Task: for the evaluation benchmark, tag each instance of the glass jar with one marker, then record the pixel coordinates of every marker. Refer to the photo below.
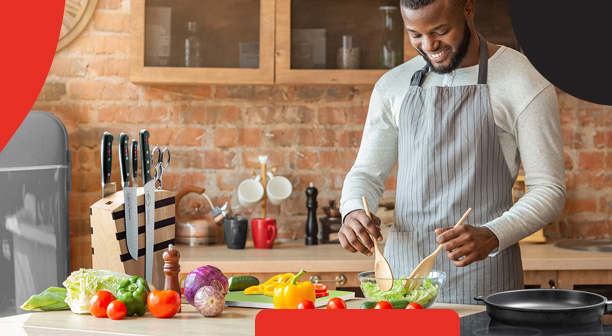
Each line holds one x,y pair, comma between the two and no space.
390,52
348,54
193,50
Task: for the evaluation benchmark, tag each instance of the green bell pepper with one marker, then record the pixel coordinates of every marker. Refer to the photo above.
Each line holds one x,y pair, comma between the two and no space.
133,293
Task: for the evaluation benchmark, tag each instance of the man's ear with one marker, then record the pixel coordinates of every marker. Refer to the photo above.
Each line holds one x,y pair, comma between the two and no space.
468,9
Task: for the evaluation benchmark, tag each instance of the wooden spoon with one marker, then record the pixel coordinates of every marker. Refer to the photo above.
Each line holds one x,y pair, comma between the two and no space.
382,270
425,267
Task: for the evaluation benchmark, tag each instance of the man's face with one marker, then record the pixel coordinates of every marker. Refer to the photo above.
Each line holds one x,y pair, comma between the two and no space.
440,33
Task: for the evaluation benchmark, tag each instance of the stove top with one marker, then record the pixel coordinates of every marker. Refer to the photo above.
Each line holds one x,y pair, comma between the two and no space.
482,325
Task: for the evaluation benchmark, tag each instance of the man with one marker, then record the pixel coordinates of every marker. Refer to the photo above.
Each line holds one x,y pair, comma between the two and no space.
459,119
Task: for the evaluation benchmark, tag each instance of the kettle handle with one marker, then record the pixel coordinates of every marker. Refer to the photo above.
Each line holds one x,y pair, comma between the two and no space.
183,192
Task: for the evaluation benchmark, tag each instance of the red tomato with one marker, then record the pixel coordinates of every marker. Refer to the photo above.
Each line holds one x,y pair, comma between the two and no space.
414,305
163,304
116,310
383,305
320,288
336,303
99,302
306,304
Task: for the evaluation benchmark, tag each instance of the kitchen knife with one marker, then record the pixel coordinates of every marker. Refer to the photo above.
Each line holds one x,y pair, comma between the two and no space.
106,164
130,203
149,194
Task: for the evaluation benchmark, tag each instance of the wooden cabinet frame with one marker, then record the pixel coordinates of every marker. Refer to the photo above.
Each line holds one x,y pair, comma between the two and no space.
286,75
183,75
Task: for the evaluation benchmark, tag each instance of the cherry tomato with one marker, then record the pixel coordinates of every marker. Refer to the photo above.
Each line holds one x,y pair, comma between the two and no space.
336,303
414,305
99,302
383,305
163,304
116,310
320,288
306,304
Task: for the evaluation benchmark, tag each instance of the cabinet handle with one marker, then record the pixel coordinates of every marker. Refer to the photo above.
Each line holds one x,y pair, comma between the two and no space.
551,283
340,279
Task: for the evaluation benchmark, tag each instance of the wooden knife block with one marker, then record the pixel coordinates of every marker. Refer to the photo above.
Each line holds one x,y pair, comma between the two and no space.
108,237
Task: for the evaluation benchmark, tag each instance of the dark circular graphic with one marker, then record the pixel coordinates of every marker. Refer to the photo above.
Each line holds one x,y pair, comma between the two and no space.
569,43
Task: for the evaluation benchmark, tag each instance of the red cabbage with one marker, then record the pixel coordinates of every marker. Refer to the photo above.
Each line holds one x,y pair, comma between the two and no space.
205,276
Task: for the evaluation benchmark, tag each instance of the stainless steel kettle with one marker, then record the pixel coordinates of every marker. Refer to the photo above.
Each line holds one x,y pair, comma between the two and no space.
196,227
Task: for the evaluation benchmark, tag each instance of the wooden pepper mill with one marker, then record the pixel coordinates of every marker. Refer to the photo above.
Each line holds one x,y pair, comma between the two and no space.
312,227
172,269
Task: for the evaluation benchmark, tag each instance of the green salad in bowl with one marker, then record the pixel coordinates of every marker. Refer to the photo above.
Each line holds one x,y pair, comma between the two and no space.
425,294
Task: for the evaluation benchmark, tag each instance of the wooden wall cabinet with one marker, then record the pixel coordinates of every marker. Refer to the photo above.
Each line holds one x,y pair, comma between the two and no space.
226,24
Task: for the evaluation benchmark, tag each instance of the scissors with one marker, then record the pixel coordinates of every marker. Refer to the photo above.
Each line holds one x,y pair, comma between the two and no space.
159,165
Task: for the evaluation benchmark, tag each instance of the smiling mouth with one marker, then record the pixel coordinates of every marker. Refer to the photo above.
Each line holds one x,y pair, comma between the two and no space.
437,57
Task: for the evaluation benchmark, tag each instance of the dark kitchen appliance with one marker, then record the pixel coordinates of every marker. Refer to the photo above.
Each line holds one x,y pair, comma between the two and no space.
481,324
330,224
546,307
34,230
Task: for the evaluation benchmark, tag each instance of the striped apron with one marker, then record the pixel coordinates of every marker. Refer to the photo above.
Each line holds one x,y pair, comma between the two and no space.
450,159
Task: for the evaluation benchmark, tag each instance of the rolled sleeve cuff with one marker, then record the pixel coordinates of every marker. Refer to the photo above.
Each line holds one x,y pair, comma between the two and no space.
349,206
502,243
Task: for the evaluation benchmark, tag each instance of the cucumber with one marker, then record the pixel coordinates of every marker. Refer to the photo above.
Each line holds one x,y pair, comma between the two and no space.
368,305
242,282
397,304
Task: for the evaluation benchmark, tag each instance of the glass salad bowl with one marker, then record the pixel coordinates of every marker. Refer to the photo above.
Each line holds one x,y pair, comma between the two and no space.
425,294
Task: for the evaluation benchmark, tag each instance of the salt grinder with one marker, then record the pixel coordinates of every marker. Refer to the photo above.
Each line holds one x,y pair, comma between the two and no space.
312,227
172,269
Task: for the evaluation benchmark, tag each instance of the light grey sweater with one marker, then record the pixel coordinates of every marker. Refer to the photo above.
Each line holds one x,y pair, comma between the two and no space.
526,113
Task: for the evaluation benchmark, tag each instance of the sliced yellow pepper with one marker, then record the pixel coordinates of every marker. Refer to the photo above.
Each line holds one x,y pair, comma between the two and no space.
267,288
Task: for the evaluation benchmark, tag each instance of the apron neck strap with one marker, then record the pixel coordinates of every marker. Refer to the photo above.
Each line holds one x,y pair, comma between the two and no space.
483,66
483,61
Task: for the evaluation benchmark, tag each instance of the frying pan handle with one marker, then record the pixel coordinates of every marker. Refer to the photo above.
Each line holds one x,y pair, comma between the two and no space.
480,298
608,307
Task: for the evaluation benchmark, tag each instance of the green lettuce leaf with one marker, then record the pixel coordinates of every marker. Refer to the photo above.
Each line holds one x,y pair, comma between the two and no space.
53,298
425,295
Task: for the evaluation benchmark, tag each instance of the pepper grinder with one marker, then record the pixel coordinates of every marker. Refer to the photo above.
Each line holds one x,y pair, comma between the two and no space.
172,269
312,227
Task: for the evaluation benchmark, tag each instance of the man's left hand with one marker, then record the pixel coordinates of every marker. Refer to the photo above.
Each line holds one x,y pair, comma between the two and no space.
472,243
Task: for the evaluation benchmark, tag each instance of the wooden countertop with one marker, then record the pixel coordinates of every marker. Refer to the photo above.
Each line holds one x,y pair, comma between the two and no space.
233,321
333,258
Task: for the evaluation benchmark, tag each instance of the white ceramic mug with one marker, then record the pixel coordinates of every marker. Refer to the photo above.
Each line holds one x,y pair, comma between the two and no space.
250,193
279,188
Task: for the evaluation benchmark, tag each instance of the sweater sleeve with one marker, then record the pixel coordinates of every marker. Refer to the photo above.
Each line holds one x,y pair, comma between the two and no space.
377,155
538,135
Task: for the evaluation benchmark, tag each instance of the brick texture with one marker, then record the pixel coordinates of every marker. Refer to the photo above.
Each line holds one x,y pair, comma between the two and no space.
216,133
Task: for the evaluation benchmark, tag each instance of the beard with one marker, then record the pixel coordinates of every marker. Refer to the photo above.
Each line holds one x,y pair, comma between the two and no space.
456,57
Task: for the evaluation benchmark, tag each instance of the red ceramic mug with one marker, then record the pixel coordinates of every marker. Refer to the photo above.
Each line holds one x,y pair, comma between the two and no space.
264,232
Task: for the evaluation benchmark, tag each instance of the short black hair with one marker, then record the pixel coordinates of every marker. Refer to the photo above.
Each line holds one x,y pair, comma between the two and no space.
418,4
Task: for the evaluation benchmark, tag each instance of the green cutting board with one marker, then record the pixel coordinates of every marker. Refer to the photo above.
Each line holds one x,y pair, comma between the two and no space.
239,299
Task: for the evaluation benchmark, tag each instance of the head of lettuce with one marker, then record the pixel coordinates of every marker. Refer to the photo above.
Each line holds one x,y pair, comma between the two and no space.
81,285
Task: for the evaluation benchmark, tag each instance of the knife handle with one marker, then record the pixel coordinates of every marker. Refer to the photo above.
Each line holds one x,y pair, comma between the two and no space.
106,157
145,156
124,160
134,153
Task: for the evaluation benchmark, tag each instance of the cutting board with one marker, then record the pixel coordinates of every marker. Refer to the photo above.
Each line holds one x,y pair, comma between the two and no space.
239,299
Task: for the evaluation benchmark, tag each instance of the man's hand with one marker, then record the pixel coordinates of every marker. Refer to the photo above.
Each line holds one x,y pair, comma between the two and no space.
353,234
473,243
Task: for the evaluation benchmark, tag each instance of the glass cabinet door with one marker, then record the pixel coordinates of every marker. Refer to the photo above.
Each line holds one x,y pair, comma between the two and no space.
338,41
202,41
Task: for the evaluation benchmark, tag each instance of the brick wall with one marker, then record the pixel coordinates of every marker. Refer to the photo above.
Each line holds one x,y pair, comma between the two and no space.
216,132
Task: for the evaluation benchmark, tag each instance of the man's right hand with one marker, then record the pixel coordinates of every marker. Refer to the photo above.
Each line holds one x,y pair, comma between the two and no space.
353,234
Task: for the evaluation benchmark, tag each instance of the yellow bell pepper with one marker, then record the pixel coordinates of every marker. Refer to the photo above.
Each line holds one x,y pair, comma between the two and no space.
288,295
267,288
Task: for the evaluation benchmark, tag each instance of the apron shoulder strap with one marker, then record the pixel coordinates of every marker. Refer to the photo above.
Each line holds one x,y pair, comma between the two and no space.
419,75
483,61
